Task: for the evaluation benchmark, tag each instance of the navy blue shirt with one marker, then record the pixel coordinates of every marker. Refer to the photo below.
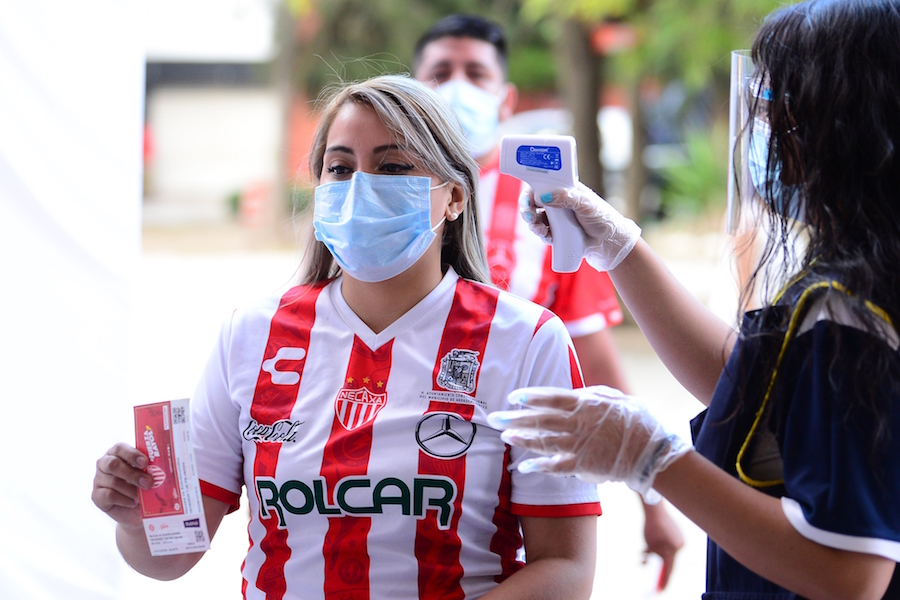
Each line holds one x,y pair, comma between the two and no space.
830,491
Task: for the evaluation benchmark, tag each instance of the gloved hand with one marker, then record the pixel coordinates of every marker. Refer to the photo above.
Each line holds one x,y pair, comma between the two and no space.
609,235
596,433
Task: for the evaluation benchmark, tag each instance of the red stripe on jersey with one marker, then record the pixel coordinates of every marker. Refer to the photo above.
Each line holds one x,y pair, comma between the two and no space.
273,402
575,369
545,316
346,454
466,330
507,540
222,495
500,238
558,510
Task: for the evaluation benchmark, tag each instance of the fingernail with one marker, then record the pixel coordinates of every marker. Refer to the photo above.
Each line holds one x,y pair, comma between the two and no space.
498,420
528,465
547,197
141,461
509,437
516,398
528,217
144,482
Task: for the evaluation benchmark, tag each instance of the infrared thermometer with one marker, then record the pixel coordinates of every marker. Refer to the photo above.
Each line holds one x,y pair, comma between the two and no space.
548,162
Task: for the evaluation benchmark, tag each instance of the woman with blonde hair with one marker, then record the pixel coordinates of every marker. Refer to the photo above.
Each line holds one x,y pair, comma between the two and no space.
354,407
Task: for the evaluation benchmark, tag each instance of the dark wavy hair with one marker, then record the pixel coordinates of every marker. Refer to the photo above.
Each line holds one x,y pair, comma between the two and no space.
833,67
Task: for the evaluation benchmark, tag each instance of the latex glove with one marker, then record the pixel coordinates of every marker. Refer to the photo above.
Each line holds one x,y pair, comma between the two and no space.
597,433
609,235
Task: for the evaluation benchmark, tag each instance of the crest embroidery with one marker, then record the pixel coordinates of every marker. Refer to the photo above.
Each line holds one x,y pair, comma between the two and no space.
459,371
356,407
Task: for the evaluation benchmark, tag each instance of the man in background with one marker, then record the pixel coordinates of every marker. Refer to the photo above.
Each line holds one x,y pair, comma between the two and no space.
464,58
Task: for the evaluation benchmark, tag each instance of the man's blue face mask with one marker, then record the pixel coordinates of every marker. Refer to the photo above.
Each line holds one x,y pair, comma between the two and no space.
375,226
477,111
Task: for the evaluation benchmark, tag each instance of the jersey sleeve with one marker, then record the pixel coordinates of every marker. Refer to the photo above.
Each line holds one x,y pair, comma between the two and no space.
214,419
550,361
586,301
838,493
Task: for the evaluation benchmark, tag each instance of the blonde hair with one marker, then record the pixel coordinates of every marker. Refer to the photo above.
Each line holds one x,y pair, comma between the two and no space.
426,126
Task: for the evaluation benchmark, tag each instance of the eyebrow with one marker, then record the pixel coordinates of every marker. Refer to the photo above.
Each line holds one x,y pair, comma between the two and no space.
378,150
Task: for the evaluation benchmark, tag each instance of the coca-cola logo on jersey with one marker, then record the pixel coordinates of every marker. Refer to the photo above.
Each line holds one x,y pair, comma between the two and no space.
279,431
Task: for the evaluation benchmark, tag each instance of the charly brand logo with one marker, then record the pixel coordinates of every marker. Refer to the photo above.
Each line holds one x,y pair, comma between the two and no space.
459,369
289,377
279,431
356,407
445,435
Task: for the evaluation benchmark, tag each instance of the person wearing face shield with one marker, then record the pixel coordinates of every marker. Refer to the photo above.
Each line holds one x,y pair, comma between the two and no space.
464,58
793,472
353,406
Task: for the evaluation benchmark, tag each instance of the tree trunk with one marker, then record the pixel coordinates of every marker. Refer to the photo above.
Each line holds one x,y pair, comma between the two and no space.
636,174
283,81
580,83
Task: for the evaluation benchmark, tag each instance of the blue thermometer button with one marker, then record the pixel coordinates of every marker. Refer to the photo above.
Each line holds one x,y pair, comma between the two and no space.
541,157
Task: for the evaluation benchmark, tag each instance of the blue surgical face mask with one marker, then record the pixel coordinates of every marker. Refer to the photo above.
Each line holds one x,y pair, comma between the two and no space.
478,112
783,200
375,226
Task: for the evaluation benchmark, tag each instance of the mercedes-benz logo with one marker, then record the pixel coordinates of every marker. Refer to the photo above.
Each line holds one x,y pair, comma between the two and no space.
445,435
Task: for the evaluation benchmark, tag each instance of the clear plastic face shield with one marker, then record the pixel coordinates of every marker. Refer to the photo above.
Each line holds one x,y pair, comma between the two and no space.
748,152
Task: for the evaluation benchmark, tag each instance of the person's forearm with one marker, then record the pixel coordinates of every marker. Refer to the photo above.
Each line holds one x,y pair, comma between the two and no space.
691,341
752,528
133,546
546,579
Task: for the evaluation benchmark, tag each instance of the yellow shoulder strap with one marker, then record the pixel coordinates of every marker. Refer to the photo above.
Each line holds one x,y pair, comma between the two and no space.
796,318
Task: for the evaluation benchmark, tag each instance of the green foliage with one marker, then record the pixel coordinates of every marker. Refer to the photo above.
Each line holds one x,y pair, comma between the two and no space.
586,10
358,39
677,40
699,183
692,40
532,68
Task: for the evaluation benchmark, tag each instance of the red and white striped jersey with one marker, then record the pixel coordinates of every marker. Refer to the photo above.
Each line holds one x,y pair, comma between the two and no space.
370,469
520,262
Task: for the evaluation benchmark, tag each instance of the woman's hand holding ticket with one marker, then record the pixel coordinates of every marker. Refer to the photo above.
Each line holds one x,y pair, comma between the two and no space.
120,472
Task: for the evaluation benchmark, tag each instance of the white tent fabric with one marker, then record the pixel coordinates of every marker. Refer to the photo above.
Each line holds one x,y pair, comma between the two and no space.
71,112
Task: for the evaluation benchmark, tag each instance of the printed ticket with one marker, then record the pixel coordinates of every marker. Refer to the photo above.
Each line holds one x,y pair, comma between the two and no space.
173,507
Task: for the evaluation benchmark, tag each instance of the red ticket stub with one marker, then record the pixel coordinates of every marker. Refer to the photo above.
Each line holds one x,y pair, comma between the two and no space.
153,437
173,506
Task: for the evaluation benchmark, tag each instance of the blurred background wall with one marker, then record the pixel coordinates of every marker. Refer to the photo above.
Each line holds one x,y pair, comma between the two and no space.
71,104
